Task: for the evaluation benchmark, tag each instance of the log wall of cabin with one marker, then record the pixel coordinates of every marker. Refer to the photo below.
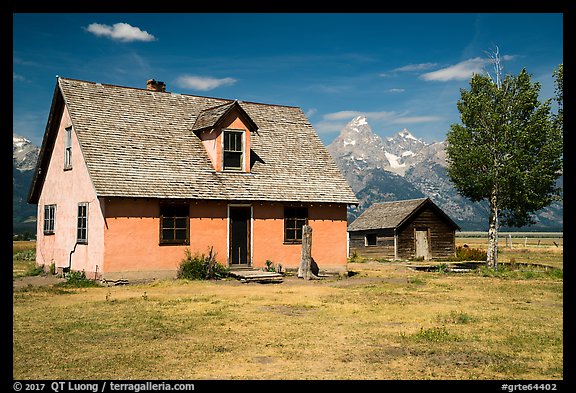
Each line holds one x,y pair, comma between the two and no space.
384,247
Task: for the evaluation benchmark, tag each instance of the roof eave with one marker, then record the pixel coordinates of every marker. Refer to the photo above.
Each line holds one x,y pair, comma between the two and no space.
48,141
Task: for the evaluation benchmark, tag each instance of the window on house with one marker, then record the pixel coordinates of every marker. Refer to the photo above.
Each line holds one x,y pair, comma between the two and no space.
294,219
82,225
370,239
68,149
233,150
174,224
49,216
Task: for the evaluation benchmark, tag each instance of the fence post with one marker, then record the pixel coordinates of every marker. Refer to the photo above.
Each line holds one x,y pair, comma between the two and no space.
306,257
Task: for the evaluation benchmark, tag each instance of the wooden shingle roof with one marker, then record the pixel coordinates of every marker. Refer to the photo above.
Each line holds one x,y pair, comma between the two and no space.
391,215
140,143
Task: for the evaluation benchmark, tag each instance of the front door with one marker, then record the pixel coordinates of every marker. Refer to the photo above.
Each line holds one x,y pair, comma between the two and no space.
422,246
239,232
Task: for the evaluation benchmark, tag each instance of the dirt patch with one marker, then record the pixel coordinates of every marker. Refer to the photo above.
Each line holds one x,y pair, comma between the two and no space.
41,280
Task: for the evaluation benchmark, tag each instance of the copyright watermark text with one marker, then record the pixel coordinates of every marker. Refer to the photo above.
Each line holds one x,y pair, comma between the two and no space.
101,386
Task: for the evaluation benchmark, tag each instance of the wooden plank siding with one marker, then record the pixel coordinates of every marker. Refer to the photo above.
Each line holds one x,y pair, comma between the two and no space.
384,247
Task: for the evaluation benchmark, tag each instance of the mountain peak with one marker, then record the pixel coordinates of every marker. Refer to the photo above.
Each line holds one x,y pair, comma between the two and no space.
18,140
407,134
358,121
24,153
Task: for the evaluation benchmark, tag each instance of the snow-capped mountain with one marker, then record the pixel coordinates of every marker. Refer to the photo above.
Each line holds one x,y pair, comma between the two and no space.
24,153
24,157
403,166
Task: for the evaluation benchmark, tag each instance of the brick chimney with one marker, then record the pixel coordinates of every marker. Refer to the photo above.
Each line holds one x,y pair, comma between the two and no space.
154,85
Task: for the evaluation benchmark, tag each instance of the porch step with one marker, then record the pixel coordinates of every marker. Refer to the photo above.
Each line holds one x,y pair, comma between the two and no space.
253,275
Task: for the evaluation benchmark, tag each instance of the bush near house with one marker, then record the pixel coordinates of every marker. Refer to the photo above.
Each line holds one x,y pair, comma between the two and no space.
470,254
201,267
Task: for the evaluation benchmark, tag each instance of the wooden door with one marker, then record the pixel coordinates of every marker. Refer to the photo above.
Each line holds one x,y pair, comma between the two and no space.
239,236
421,244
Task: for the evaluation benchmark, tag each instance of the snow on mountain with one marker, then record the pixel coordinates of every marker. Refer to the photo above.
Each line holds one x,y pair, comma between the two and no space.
24,153
394,160
24,157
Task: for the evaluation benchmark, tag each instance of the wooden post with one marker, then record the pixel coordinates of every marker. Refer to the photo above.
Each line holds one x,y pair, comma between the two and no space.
306,258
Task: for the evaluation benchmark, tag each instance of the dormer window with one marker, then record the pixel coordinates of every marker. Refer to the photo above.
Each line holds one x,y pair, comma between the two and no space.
233,150
226,132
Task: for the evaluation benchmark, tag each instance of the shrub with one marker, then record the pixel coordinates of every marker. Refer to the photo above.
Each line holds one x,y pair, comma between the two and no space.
355,258
201,267
441,268
270,266
77,279
35,271
434,334
26,255
470,254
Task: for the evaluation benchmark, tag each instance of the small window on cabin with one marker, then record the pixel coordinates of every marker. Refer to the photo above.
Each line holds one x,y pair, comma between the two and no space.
49,217
294,219
233,150
174,224
370,239
82,223
68,148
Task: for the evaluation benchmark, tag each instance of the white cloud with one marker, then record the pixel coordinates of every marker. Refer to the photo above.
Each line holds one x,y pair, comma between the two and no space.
16,77
325,127
334,122
396,90
120,32
311,112
203,83
461,71
349,115
416,119
342,115
414,67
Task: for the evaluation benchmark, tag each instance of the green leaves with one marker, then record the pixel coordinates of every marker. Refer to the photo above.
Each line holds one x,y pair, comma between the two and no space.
508,144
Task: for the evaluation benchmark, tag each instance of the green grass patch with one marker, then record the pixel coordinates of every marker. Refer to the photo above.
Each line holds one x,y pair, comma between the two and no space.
434,334
24,268
457,318
522,272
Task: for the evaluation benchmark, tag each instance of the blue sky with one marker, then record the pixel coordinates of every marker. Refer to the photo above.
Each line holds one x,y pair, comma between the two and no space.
400,70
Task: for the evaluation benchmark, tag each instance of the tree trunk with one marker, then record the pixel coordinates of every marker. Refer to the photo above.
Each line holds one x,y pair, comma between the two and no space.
492,254
306,258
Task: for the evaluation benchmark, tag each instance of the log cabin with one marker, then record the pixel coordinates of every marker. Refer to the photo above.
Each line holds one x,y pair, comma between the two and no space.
408,229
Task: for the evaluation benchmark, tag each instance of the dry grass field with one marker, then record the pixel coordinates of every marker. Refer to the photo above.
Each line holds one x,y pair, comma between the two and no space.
385,322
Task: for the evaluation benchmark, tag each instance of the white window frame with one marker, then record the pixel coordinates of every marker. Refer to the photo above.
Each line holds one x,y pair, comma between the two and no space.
367,243
242,151
68,148
82,239
49,219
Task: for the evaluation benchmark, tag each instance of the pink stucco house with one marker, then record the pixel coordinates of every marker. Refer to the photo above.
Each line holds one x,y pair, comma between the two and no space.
129,178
